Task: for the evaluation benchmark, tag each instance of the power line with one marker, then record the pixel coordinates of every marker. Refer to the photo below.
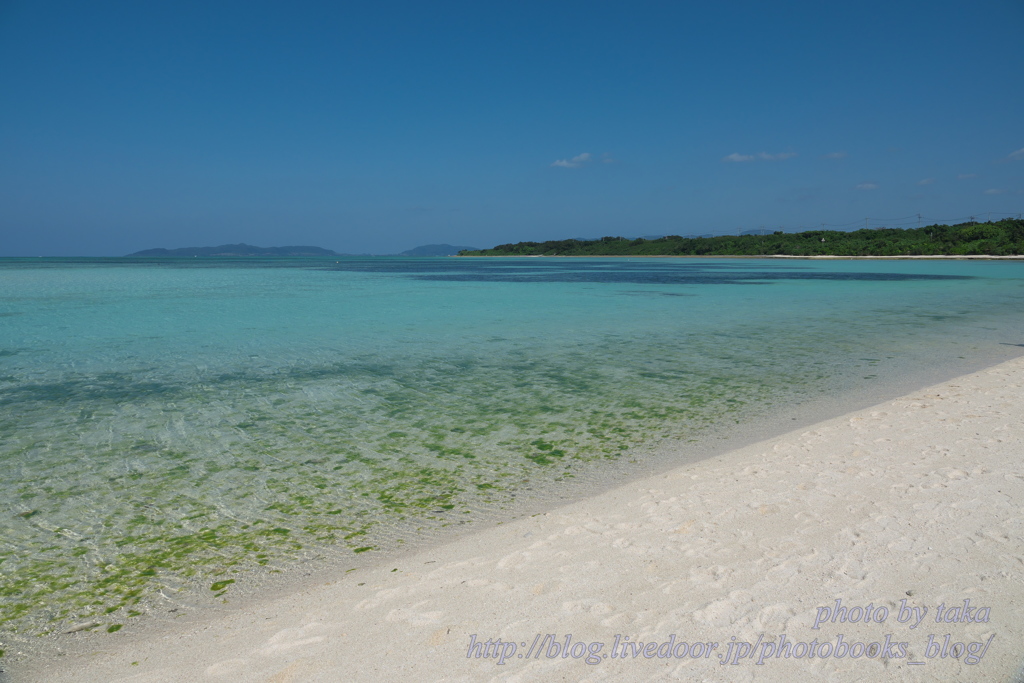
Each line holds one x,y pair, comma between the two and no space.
913,220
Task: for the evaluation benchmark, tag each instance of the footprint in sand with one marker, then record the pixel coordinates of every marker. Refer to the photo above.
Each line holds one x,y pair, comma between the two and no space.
291,638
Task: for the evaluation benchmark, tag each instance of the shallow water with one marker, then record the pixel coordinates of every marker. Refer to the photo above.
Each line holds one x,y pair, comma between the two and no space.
169,427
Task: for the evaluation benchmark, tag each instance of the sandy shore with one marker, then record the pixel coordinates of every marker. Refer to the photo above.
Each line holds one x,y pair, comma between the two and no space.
911,505
966,257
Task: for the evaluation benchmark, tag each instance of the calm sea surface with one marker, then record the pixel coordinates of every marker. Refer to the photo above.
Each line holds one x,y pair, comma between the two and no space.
171,427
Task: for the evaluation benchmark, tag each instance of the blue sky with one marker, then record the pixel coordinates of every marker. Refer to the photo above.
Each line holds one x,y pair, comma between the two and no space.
377,127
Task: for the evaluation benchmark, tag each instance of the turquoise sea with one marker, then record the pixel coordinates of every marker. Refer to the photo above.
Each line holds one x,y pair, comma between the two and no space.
173,431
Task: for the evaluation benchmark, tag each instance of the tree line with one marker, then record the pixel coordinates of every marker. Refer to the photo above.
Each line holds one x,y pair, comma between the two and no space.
998,238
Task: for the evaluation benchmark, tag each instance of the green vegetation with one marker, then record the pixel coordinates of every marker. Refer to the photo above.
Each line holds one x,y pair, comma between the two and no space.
1000,238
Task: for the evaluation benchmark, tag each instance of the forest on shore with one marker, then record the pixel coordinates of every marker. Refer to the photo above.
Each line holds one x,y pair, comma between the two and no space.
996,238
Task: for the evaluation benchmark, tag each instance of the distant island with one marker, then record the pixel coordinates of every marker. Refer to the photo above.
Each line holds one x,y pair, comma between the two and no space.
998,238
436,250
237,250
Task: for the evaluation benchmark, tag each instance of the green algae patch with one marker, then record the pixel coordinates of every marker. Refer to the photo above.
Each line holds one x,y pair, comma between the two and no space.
221,585
114,628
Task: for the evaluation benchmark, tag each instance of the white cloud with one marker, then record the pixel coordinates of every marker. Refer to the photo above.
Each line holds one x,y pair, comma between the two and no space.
926,181
575,162
995,190
762,156
867,186
1018,155
835,155
965,176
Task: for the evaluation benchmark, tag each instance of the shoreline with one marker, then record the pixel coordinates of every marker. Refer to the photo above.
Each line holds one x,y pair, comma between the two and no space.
968,257
913,499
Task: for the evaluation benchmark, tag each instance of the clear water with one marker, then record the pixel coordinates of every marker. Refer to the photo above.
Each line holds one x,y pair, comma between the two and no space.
170,426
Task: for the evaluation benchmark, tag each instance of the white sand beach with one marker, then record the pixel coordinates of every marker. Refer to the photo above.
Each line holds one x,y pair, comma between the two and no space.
906,507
